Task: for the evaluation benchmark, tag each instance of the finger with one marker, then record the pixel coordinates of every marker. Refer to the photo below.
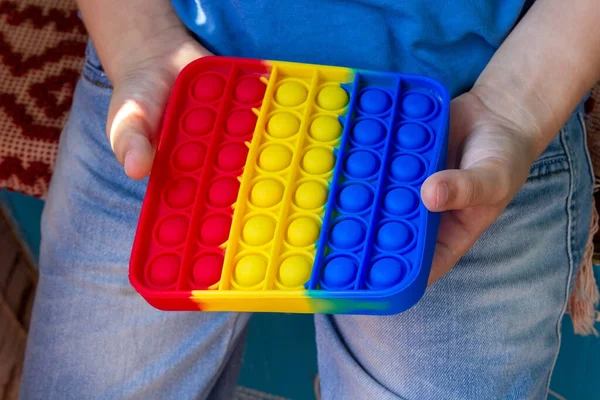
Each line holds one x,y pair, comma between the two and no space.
460,189
132,130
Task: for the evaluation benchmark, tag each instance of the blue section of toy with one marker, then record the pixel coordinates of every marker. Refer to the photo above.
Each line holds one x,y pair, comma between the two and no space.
378,239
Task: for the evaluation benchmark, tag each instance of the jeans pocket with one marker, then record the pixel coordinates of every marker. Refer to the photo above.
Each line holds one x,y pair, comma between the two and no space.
93,72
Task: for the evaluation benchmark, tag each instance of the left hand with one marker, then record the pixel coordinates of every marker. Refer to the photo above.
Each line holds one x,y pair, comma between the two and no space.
489,158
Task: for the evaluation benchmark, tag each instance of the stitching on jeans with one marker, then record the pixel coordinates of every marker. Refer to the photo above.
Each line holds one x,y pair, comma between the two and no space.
570,225
95,82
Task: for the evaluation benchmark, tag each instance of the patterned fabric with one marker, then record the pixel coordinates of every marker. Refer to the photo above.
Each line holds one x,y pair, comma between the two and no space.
42,44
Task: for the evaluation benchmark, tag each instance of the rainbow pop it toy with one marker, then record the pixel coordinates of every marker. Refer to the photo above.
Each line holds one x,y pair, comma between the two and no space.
289,187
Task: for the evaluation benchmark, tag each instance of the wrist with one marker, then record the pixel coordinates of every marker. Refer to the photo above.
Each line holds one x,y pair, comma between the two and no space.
127,33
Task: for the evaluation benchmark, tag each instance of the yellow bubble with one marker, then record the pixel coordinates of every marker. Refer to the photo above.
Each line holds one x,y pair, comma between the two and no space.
291,94
295,271
283,125
275,158
325,128
303,232
250,270
332,98
310,195
266,193
258,230
318,161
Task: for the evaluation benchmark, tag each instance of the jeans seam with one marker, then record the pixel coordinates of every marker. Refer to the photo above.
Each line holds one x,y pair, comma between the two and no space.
570,230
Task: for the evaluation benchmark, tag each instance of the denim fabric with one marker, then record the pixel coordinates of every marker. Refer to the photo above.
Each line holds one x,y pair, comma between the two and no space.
487,330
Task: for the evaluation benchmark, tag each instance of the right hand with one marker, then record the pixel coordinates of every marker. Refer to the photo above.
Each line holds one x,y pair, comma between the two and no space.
142,81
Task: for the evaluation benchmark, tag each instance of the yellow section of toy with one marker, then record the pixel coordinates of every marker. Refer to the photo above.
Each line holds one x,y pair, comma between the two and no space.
284,187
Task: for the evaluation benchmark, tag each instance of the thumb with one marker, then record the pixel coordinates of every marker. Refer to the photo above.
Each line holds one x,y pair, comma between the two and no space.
137,106
460,189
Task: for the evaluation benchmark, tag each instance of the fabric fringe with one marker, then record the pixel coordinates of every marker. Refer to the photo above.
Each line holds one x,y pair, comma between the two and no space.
584,300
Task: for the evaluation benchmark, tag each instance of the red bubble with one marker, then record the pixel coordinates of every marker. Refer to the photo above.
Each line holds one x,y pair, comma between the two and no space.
250,90
215,230
181,193
165,269
209,87
241,123
207,269
199,121
172,231
232,157
190,156
223,192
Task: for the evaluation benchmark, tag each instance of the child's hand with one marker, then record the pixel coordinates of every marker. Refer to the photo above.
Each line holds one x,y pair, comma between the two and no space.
142,86
493,157
143,46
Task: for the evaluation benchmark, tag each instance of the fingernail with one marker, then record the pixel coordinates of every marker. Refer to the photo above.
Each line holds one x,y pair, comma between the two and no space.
442,195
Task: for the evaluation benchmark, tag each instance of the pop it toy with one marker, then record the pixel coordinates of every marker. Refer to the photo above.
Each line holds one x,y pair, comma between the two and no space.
290,187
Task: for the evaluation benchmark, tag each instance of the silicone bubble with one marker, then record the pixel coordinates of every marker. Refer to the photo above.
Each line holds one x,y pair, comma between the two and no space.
258,230
283,125
181,193
223,192
362,164
400,201
303,232
347,234
417,105
385,273
266,193
407,168
325,128
164,270
172,230
240,123
215,230
374,101
368,132
250,270
340,272
199,122
355,198
209,87
250,90
310,195
232,157
332,98
190,156
207,269
318,161
295,271
291,94
393,236
413,136
275,158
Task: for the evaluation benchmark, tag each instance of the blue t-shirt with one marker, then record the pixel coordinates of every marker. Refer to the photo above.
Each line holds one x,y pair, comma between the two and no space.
449,40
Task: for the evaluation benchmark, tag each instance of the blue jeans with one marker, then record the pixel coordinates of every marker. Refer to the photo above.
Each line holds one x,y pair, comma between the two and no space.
487,330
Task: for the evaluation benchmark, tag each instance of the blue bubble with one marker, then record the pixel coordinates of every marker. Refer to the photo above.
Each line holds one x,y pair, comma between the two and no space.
400,201
374,101
385,273
368,132
412,136
417,105
394,236
340,272
355,198
362,164
407,168
347,234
